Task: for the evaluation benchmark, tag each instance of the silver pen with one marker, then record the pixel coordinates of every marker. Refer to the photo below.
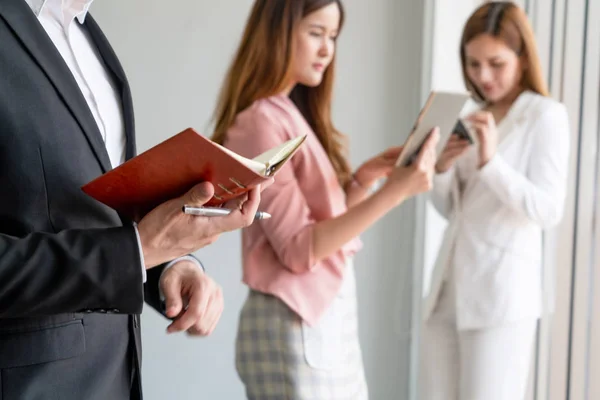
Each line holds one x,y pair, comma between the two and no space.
218,212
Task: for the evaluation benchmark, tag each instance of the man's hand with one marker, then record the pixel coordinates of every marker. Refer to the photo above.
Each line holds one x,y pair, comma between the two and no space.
192,298
166,233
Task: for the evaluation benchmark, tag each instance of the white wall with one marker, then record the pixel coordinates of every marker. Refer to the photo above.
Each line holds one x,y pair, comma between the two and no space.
175,55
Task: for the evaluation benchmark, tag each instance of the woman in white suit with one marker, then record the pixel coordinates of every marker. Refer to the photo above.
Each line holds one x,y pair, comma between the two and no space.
499,195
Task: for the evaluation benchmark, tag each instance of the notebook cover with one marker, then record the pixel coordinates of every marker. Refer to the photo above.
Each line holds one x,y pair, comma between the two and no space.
168,170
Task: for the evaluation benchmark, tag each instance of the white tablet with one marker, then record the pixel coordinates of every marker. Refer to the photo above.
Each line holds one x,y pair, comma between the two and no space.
442,109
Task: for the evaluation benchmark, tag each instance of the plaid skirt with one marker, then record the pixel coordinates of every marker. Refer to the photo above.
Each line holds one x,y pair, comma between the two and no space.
278,357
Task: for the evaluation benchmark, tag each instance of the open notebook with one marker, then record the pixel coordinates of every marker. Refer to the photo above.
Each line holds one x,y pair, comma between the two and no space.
174,166
271,160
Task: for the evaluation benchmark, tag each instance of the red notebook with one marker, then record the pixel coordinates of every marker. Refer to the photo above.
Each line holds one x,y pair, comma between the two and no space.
173,167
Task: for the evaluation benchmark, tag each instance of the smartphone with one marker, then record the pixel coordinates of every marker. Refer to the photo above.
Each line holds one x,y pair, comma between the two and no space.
462,132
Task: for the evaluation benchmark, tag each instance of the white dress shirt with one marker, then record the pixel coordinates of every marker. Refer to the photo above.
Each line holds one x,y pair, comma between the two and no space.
62,19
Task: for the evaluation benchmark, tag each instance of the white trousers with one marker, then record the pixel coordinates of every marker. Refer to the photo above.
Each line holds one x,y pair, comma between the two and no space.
484,364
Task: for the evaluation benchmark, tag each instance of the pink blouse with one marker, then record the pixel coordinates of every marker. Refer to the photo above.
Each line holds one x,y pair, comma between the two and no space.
277,253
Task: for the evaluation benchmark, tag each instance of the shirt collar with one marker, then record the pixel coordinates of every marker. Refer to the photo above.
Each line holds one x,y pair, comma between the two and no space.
77,8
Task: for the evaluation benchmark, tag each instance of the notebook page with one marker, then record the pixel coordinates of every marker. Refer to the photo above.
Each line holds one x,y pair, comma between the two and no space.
256,166
271,158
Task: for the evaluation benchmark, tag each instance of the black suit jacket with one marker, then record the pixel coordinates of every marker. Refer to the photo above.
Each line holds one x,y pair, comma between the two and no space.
70,274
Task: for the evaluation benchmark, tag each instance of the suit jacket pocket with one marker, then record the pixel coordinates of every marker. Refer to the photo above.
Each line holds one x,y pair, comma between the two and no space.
59,342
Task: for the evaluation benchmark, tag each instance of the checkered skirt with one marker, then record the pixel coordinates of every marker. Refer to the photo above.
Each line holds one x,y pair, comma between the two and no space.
278,357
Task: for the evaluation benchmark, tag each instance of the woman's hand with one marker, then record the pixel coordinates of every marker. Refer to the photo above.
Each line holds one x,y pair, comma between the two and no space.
455,148
484,125
416,178
377,167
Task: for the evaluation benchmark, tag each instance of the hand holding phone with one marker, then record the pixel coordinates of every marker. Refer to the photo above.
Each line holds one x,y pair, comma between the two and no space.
462,132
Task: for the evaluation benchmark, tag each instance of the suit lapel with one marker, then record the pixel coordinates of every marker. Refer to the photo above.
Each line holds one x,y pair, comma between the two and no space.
34,38
118,74
508,127
112,62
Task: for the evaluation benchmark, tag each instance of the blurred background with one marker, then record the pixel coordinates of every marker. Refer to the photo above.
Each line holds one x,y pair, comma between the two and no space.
391,54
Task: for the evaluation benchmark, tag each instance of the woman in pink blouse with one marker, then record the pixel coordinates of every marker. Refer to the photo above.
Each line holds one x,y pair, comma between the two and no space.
297,338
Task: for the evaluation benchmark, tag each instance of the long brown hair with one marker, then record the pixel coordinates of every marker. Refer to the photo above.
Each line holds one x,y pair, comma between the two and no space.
262,68
508,22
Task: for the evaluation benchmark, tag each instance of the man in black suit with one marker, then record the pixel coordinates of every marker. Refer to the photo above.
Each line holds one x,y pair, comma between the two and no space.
72,271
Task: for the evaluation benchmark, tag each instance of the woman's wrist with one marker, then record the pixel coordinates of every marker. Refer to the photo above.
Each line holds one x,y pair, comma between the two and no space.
390,196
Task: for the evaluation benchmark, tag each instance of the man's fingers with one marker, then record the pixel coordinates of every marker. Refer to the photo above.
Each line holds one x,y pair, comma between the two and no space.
171,288
250,197
218,313
207,324
194,312
236,203
199,194
241,217
251,205
266,184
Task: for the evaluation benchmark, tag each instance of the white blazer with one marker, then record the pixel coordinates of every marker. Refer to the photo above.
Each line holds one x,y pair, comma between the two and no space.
494,238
